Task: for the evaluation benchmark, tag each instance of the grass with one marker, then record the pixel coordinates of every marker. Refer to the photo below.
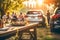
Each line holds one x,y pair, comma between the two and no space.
50,38
45,34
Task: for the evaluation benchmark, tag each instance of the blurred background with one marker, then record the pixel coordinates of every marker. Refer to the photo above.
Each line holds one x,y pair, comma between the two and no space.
25,5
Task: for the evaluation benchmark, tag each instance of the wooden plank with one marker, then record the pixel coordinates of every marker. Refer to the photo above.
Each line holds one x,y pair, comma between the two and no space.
2,33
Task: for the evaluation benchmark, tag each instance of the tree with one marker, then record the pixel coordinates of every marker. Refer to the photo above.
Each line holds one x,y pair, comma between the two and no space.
10,5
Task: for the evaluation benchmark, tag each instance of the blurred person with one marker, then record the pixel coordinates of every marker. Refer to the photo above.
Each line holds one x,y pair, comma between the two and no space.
14,17
21,17
48,16
6,17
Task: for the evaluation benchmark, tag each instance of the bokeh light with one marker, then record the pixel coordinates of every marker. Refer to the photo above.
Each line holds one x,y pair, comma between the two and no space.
40,1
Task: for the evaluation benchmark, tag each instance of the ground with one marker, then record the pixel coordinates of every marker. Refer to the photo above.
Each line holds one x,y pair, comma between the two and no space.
45,34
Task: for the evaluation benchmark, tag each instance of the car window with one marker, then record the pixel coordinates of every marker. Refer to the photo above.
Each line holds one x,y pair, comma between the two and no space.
34,12
57,11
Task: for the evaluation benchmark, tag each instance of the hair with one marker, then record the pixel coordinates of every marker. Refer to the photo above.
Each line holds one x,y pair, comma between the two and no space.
21,13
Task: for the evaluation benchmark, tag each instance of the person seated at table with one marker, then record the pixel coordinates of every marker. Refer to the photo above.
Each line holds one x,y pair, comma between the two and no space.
21,17
14,17
6,17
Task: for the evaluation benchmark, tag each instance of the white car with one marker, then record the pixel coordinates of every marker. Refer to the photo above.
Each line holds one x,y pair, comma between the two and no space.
35,16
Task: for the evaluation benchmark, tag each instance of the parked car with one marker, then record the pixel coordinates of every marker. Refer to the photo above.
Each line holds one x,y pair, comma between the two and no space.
55,21
35,16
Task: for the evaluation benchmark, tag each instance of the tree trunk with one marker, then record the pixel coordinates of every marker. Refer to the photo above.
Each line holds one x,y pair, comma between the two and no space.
2,12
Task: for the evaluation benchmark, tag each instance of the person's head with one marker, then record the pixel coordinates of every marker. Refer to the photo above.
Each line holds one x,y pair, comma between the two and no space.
21,13
47,10
8,13
15,13
12,12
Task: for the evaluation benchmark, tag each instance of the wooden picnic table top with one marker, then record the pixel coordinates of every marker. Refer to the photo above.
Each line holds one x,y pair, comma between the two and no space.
14,29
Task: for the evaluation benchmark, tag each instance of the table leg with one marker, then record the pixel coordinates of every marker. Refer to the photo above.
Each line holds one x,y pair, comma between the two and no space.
20,35
35,34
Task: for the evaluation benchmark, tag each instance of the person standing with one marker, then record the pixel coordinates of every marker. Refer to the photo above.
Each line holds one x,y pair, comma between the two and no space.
48,16
8,16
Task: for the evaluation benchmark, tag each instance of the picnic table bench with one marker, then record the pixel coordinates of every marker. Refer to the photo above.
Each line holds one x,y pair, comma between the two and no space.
13,30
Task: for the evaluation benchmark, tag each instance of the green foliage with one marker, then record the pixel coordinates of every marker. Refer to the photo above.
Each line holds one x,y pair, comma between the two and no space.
9,5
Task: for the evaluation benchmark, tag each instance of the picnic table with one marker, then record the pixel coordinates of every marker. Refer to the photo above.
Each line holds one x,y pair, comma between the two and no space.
12,30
